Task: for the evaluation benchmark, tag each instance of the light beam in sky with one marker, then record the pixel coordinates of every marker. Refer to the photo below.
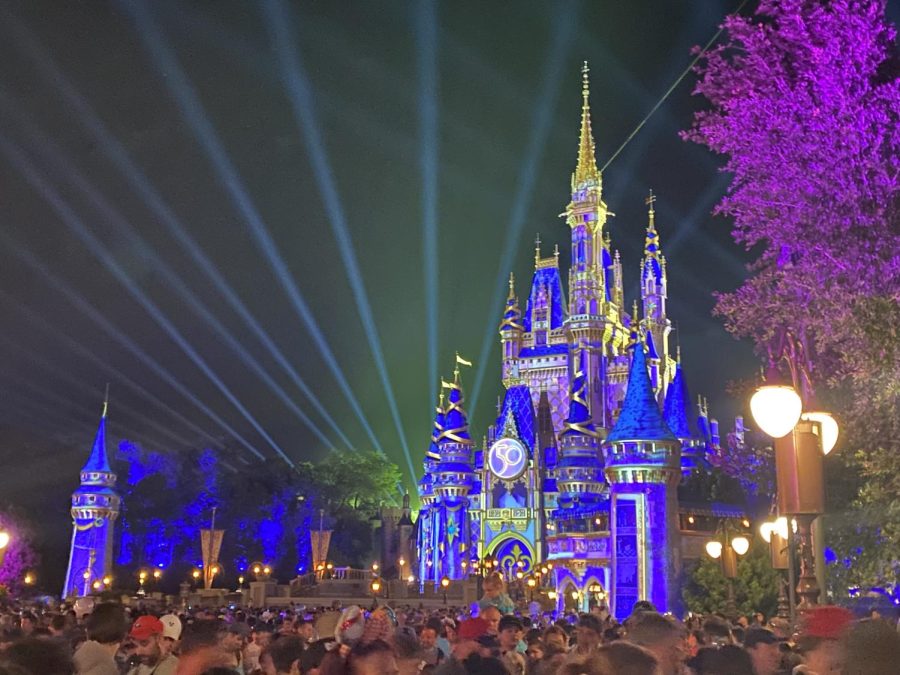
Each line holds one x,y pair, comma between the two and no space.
564,24
192,111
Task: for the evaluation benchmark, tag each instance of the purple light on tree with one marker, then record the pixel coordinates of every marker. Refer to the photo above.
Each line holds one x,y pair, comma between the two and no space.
805,106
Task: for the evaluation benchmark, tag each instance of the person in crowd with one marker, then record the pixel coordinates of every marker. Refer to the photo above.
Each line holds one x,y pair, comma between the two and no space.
282,656
718,631
618,658
819,640
663,636
492,615
588,636
260,638
495,595
871,647
37,656
58,627
306,630
232,641
722,660
28,622
509,635
106,630
428,638
764,649
171,633
150,655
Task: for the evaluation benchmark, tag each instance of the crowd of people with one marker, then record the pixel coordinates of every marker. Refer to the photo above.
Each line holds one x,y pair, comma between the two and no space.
490,639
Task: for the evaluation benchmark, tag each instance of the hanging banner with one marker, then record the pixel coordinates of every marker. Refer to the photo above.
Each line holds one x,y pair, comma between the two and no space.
319,540
210,546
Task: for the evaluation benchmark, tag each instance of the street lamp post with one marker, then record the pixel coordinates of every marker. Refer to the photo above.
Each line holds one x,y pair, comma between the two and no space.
726,551
775,534
445,584
801,441
375,587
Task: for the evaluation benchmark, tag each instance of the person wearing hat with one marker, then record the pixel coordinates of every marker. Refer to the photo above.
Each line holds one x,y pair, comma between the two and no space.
171,632
765,650
150,651
818,642
509,635
233,641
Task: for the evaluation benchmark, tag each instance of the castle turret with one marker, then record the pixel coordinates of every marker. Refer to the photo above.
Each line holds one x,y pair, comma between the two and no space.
425,534
95,507
454,477
653,299
677,416
643,467
580,469
511,335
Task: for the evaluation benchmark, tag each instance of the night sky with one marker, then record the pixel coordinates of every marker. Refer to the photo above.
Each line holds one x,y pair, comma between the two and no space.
107,178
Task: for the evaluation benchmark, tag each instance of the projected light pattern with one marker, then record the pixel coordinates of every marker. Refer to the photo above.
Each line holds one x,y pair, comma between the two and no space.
65,212
426,33
116,152
192,111
116,219
97,316
564,24
300,94
89,393
101,366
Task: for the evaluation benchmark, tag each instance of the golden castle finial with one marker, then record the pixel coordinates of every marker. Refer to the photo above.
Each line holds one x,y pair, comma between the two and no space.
586,170
537,248
512,286
650,201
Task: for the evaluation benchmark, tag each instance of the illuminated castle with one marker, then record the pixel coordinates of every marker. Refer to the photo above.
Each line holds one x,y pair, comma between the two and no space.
95,506
593,436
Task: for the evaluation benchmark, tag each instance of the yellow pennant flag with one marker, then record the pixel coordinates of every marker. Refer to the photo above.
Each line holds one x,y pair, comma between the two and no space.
460,360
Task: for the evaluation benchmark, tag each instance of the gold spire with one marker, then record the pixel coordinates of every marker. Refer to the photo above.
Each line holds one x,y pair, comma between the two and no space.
586,170
512,287
650,201
537,248
105,401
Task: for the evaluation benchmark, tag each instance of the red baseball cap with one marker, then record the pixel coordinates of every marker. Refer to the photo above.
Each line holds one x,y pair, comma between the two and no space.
145,627
827,622
472,629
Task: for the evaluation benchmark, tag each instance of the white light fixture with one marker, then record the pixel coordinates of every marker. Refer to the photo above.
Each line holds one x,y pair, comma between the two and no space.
4,540
714,549
765,531
829,428
740,545
776,409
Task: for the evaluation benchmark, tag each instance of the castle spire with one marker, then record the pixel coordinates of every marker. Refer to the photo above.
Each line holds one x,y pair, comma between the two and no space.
456,423
512,315
586,170
98,462
640,418
653,258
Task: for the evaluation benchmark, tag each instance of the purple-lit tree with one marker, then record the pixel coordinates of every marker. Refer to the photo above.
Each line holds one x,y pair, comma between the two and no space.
804,104
19,556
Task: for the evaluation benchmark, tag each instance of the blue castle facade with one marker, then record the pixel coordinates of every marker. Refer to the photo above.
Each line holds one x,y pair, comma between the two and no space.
579,473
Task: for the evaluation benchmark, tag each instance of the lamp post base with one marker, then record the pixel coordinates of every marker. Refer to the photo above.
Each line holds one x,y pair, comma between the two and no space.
808,585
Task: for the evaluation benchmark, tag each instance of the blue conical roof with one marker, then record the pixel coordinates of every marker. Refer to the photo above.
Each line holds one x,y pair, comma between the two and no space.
640,419
675,408
651,347
579,420
98,462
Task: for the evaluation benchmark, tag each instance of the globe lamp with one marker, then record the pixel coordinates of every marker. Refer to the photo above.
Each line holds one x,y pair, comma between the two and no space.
829,428
776,409
714,549
740,545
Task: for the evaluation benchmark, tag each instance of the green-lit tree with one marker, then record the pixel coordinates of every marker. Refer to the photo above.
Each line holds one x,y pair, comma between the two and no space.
755,589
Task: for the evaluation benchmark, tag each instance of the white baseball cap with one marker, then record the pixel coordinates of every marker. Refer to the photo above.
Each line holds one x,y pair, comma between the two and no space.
171,626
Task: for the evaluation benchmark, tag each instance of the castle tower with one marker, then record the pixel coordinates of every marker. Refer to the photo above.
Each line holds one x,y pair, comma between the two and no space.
643,468
511,335
592,272
454,477
425,535
580,468
653,300
95,506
